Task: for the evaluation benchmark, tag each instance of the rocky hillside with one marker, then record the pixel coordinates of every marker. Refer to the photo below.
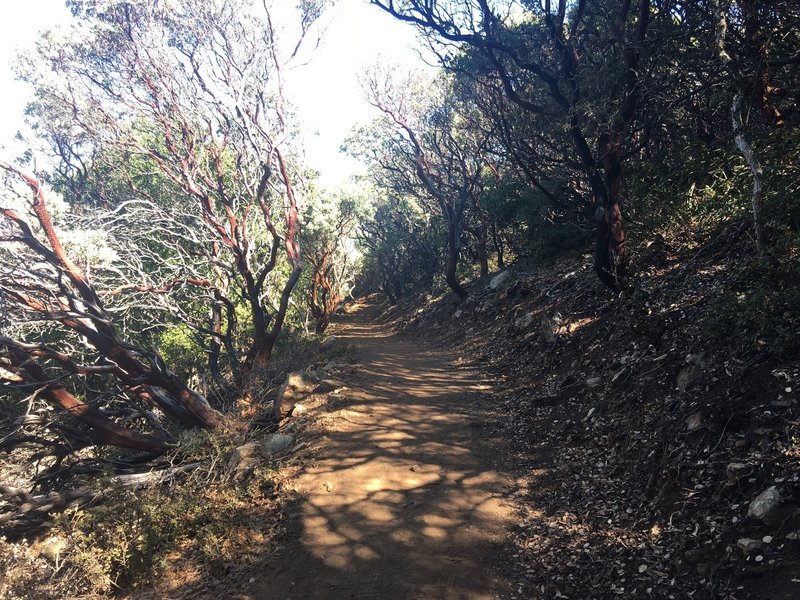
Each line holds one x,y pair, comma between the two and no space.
655,433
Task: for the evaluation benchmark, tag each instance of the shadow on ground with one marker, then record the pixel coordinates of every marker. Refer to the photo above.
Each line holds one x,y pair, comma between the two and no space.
404,496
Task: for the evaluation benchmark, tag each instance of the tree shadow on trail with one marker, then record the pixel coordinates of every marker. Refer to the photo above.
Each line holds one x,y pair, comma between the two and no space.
404,498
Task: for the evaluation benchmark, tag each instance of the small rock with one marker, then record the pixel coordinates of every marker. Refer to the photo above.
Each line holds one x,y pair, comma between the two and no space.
458,313
329,342
296,386
242,459
274,443
694,422
524,321
749,545
766,506
593,382
328,486
551,326
328,385
499,279
687,376
767,539
53,548
298,410
735,470
338,396
415,468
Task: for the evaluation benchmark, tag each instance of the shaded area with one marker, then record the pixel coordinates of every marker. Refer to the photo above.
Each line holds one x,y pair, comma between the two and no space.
404,498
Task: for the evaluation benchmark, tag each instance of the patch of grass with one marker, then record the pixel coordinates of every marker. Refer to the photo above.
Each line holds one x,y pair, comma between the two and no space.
136,536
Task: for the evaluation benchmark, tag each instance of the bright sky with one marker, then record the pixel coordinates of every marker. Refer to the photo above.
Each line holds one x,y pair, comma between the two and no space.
325,91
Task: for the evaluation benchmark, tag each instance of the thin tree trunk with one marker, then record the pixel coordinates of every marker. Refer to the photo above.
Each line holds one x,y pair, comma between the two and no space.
483,250
215,344
755,169
497,240
738,124
452,261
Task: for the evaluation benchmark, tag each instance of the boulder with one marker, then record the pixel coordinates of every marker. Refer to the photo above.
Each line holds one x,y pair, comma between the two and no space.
766,506
274,443
499,279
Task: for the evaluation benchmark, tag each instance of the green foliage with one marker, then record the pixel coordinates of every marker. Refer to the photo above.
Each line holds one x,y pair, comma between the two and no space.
133,535
401,246
759,304
180,350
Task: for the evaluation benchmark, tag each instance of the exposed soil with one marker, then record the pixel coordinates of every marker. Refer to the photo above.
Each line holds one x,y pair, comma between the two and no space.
403,494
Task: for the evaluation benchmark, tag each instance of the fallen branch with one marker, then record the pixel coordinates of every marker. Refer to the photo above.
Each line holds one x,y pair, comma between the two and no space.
24,506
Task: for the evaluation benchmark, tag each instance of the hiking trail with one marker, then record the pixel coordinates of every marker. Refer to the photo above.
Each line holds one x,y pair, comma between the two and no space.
403,497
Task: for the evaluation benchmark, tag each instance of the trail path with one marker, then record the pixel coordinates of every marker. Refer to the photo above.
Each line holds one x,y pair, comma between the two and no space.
403,499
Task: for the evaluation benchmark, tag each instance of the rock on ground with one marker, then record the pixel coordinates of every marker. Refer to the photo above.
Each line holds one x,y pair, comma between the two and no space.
766,506
274,443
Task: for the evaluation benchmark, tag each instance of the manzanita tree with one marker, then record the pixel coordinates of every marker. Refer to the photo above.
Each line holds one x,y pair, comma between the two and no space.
434,153
535,54
328,236
58,341
194,90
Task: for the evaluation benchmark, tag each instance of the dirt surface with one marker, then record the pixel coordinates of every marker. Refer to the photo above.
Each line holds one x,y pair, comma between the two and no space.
404,497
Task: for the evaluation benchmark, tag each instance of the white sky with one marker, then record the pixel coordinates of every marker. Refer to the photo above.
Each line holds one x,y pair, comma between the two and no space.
325,91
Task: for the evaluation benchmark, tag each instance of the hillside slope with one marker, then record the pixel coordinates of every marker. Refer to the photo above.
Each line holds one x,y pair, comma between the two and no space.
644,426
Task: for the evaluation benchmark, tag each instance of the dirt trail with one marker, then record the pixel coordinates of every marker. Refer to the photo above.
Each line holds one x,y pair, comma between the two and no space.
403,501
